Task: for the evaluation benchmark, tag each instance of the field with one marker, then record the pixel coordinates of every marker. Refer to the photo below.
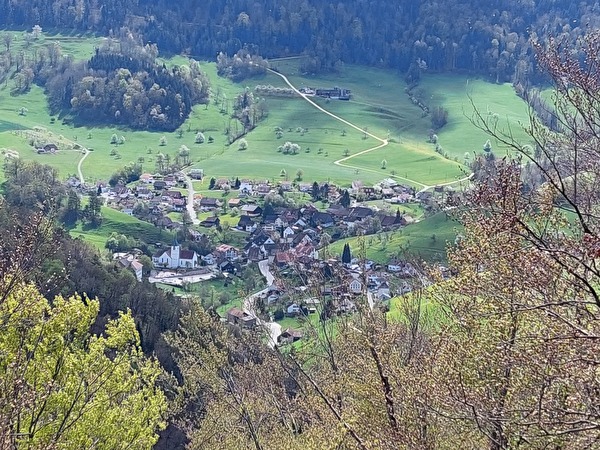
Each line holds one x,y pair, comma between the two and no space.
116,222
427,238
379,106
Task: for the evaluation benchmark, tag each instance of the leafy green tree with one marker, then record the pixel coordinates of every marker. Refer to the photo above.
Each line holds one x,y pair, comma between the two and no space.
63,387
184,154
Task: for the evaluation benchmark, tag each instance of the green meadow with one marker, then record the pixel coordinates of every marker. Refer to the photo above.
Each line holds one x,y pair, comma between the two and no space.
114,221
379,105
427,239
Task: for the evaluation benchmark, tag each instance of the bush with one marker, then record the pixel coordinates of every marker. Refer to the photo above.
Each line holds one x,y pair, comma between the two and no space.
439,117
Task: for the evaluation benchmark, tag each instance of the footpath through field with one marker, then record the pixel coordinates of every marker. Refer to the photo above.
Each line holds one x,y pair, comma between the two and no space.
80,173
383,142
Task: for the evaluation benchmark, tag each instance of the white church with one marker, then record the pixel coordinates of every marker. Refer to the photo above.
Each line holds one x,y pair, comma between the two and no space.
175,258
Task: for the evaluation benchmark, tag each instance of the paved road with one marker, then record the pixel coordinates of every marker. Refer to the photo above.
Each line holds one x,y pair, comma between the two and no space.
190,200
263,266
80,173
272,328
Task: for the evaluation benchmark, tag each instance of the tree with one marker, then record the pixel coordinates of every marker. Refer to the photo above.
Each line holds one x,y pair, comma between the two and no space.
439,117
199,138
346,254
92,211
299,174
72,209
383,164
184,154
75,389
114,139
283,173
162,141
315,191
211,184
345,199
487,147
243,144
7,38
36,31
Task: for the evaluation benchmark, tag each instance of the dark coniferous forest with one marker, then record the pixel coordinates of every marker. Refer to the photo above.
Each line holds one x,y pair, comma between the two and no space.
490,38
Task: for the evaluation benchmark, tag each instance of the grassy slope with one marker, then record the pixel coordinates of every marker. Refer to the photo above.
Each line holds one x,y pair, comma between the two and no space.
114,221
459,135
379,104
414,239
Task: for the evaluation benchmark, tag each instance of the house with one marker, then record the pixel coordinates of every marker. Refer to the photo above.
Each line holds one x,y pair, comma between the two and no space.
359,213
293,309
394,266
252,210
262,189
170,180
175,258
355,286
221,183
138,269
209,259
392,221
246,224
159,185
288,234
50,148
196,174
288,336
211,222
322,219
236,316
286,186
234,202
254,253
147,178
208,203
173,194
246,187
227,267
282,259
73,182
227,251
130,262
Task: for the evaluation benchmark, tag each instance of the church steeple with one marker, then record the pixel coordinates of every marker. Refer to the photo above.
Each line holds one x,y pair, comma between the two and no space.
175,252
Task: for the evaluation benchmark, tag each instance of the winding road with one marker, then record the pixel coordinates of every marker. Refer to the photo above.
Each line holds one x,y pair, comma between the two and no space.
382,142
273,329
79,172
190,200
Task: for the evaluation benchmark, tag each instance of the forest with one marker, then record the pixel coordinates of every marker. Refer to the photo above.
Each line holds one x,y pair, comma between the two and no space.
488,38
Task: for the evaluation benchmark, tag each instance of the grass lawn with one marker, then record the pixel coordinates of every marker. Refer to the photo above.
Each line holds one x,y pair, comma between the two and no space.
415,239
114,221
454,93
379,105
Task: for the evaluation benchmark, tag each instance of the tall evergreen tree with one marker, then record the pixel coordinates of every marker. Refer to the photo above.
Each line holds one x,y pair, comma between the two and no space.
346,254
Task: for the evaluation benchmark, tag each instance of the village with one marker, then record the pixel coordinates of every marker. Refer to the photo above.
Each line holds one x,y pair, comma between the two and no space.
288,243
